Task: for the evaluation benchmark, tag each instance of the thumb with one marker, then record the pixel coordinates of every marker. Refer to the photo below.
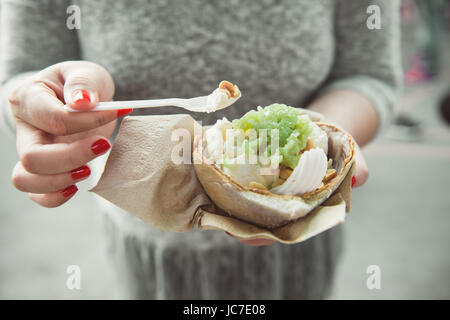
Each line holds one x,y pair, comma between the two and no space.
85,84
362,171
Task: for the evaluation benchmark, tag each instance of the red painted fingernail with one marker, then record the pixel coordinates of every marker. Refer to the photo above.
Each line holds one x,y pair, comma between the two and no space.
69,191
123,112
81,172
353,181
80,95
229,234
100,146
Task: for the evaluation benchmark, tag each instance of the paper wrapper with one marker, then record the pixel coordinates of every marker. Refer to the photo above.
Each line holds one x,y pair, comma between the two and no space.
141,178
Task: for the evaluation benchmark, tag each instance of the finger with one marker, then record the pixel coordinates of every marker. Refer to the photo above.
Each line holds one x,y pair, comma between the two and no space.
52,158
255,242
54,199
85,84
258,242
38,105
37,183
361,171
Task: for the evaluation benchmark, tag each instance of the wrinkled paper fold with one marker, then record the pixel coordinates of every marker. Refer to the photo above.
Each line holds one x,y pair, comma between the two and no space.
141,178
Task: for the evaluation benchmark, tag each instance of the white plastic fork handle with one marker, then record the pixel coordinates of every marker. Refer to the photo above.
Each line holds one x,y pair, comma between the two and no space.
66,107
135,104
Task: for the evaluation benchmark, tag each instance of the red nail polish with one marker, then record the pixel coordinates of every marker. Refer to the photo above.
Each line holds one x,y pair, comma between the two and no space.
228,233
69,191
123,112
81,95
81,172
353,181
100,146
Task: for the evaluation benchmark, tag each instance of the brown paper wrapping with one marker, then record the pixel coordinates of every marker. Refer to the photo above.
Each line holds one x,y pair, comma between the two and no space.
141,178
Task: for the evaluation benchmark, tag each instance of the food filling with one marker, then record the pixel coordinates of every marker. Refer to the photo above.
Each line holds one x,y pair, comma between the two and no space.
225,95
276,148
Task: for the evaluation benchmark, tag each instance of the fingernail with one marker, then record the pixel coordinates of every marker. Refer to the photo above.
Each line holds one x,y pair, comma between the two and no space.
123,112
353,181
69,191
100,146
80,95
81,172
228,233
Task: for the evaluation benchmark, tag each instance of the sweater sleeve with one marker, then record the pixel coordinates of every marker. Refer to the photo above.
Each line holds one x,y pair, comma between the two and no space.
33,36
368,60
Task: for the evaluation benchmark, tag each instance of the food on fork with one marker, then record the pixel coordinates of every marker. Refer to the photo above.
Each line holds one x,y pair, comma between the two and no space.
225,95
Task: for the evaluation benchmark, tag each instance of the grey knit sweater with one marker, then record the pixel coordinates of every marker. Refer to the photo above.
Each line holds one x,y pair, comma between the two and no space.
276,51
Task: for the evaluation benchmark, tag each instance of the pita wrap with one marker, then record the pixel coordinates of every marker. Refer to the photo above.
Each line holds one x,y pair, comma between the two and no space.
261,207
141,178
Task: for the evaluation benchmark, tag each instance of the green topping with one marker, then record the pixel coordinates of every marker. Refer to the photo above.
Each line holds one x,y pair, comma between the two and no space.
293,130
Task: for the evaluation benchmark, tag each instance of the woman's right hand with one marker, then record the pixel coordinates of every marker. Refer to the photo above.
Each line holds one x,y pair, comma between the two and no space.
55,145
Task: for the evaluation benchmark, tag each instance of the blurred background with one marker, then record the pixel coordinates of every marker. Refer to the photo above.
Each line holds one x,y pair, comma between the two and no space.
400,219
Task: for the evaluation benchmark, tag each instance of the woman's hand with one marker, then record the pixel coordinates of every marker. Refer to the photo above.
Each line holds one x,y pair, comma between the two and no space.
256,242
55,145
